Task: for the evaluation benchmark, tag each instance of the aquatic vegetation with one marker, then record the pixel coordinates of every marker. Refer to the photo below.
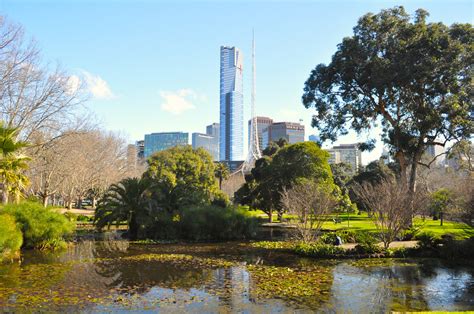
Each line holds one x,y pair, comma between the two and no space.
275,245
181,259
303,286
319,250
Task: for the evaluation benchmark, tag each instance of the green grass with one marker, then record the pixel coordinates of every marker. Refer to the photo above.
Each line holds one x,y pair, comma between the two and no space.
363,223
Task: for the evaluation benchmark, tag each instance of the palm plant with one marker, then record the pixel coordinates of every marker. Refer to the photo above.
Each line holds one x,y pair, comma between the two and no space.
125,201
221,172
12,163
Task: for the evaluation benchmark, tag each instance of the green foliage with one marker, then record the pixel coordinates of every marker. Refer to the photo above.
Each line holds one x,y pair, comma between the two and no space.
180,177
126,201
318,250
70,216
42,228
220,199
274,245
221,172
11,238
83,218
366,244
287,166
422,86
440,201
428,240
212,223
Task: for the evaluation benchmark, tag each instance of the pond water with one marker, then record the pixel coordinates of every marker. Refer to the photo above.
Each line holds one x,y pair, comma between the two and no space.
104,276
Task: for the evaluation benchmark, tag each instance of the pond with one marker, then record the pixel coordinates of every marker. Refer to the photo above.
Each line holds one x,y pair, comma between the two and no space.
98,276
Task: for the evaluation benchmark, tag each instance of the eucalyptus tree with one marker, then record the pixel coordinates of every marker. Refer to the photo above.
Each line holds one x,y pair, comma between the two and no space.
412,77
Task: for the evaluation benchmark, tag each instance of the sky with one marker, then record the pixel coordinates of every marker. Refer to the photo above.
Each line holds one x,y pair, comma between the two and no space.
153,66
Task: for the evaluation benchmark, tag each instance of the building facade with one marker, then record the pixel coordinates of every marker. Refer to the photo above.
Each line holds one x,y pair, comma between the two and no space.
291,131
208,142
346,153
231,139
262,124
156,142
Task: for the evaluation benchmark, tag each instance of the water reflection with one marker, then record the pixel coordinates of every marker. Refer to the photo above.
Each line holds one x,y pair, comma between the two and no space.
113,275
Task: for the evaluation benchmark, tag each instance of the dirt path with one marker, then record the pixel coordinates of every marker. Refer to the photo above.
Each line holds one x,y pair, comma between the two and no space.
396,244
85,212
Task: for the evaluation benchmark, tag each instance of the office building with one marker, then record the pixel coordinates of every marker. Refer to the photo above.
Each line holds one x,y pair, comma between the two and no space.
208,142
231,146
140,145
156,142
262,124
346,153
213,130
291,131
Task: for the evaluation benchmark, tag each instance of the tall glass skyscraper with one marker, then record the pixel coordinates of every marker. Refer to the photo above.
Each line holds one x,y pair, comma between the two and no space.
156,142
231,142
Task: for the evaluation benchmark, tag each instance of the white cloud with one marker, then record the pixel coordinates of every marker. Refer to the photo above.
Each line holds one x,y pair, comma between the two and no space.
177,102
73,84
97,86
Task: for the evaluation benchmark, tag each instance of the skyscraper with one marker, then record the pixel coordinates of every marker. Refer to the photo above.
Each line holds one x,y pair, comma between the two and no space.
346,153
262,124
156,142
231,137
291,131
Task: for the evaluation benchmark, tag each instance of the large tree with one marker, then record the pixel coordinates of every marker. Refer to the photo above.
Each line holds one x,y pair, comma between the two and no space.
285,167
412,77
181,176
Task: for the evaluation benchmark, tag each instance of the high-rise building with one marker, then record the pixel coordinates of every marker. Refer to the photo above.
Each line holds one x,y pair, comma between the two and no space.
208,142
262,124
213,130
346,153
291,131
156,142
140,149
231,139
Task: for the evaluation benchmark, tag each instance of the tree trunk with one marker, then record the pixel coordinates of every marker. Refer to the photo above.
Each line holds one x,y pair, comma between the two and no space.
94,202
270,216
45,200
280,216
79,203
441,218
4,196
69,205
220,183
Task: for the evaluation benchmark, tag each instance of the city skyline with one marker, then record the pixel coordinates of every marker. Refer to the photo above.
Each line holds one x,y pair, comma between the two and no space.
169,80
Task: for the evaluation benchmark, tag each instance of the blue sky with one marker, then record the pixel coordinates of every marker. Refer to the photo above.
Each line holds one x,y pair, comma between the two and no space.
153,66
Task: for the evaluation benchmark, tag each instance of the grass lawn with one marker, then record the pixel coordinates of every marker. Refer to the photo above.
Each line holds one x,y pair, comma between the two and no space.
363,222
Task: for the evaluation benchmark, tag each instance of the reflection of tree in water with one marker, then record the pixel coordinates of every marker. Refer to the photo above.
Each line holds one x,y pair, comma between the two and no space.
389,285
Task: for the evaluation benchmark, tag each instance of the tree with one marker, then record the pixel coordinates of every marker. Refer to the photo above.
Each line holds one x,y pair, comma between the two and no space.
441,200
12,163
310,202
181,176
412,76
32,97
127,201
272,174
221,172
391,206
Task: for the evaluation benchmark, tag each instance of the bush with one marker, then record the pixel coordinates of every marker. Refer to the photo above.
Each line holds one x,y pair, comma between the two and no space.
42,228
11,238
318,250
205,223
428,240
220,199
83,218
70,216
366,244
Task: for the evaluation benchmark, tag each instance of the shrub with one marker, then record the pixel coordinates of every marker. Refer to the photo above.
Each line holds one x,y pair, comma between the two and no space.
428,240
70,216
216,223
83,218
11,238
220,199
42,228
366,244
318,250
